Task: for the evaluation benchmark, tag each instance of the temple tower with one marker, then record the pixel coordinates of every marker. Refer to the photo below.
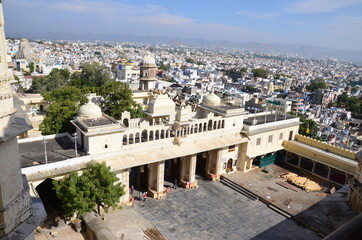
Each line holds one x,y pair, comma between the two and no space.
15,201
148,73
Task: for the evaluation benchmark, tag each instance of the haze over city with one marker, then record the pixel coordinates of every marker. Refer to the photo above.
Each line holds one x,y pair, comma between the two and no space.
327,23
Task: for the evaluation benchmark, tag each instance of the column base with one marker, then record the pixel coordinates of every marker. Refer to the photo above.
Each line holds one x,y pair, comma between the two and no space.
213,177
157,195
188,185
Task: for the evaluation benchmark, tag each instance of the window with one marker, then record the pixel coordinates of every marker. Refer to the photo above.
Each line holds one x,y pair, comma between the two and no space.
234,164
280,136
231,148
270,139
258,141
290,135
106,146
224,165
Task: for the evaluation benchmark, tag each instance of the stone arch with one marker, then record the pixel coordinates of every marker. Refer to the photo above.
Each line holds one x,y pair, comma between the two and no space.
150,136
131,139
205,127
144,136
125,140
223,124
219,125
185,131
200,127
215,125
191,129
137,138
157,134
162,134
209,126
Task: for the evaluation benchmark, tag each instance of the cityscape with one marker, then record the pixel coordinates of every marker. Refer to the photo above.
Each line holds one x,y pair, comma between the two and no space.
180,134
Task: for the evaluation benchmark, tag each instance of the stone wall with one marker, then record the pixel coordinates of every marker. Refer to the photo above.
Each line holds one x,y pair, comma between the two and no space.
326,146
96,228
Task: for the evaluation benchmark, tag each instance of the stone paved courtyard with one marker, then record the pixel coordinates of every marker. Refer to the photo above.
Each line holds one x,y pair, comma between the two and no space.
214,211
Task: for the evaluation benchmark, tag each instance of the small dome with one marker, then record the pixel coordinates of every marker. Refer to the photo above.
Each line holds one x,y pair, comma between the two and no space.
90,110
161,105
148,59
211,100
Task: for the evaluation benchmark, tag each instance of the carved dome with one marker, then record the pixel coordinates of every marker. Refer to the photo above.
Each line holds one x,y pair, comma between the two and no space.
148,59
211,100
161,105
90,110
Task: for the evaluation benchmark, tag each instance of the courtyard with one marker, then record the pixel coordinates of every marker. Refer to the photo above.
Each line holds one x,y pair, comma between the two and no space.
211,211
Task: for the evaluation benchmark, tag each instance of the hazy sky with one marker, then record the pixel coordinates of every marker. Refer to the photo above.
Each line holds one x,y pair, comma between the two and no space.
328,23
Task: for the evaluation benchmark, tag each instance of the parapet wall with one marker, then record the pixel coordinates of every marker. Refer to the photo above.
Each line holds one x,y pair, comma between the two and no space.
326,146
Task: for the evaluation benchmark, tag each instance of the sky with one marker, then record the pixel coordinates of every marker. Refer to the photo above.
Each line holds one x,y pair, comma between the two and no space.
327,23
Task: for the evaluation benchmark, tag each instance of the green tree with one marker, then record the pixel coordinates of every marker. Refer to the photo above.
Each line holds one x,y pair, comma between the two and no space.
190,60
117,98
31,67
92,75
308,128
74,192
64,106
316,84
260,72
250,89
105,191
57,78
243,70
97,186
162,67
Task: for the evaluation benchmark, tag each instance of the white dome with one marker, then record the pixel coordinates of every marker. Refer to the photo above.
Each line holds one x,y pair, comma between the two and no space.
90,110
161,105
148,59
211,100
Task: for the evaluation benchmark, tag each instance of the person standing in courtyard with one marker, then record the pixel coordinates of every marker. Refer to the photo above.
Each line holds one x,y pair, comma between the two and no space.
175,182
132,188
144,196
140,196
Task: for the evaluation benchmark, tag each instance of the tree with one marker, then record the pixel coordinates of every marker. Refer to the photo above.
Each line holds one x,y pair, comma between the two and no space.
162,67
190,60
260,72
117,98
31,67
64,106
97,186
243,70
105,191
57,78
74,193
250,89
308,128
93,75
316,84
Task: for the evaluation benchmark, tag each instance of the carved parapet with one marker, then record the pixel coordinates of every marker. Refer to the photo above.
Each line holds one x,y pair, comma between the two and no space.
326,146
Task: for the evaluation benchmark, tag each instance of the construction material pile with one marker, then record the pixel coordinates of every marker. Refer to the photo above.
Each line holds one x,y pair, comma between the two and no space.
153,234
302,182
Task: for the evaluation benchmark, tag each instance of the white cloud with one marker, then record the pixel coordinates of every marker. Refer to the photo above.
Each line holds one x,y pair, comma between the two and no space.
320,6
265,16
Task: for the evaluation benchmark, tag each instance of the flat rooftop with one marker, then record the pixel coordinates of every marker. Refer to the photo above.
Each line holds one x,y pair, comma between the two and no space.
58,149
266,119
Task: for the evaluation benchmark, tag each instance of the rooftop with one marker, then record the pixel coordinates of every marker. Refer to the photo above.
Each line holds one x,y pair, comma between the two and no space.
58,149
257,120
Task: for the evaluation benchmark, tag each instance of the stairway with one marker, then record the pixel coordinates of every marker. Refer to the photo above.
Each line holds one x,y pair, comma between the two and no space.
239,189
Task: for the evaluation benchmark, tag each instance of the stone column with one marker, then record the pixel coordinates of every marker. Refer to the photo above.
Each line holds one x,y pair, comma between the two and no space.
156,179
124,179
313,168
188,171
214,165
299,160
242,160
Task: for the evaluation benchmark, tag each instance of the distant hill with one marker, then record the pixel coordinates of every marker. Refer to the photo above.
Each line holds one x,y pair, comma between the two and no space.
278,48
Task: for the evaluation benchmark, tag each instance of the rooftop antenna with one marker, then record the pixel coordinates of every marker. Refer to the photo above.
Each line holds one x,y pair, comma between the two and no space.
45,150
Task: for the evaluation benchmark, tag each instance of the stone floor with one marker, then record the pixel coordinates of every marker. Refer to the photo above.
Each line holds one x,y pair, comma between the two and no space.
292,200
214,211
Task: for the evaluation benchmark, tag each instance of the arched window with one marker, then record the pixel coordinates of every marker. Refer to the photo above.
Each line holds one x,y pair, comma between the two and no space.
200,127
137,138
192,129
125,140
209,127
131,139
126,122
157,135
151,136
223,124
219,125
162,134
205,127
195,129
144,137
